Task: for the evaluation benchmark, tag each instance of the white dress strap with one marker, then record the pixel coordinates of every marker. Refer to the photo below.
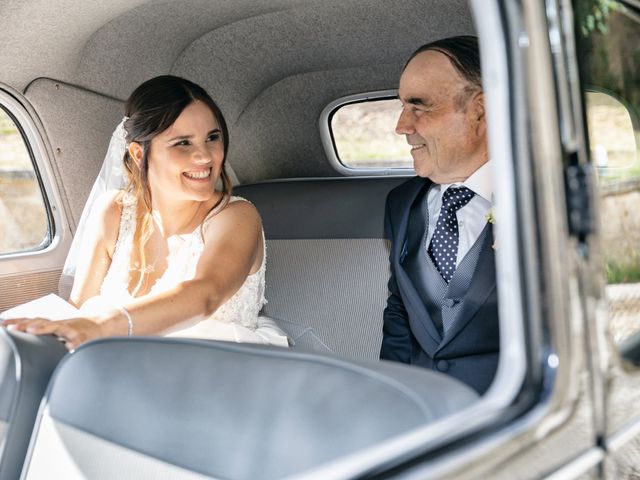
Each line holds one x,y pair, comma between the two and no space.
116,281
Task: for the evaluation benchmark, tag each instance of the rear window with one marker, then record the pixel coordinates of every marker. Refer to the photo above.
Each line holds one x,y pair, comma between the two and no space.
363,138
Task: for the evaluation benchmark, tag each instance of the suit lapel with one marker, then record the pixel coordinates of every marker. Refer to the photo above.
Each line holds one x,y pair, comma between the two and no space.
404,206
482,285
419,317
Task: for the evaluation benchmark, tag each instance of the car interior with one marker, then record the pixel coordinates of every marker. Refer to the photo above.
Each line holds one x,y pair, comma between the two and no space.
272,67
149,407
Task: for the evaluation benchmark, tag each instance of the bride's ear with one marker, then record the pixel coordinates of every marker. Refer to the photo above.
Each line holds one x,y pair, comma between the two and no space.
136,152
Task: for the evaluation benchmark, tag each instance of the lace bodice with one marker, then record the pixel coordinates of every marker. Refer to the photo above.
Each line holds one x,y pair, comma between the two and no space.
241,309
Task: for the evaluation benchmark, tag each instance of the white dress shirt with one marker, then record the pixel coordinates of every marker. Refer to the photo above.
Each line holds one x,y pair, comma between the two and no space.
472,218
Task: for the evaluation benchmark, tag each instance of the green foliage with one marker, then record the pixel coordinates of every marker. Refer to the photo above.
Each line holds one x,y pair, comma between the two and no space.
613,176
627,273
592,15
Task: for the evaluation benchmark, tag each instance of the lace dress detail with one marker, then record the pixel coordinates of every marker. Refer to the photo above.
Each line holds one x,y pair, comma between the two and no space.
241,310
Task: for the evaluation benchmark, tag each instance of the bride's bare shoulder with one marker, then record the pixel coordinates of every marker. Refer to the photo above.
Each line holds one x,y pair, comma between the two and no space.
109,213
237,214
241,208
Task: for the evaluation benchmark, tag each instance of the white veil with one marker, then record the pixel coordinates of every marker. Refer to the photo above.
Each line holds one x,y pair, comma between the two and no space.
111,177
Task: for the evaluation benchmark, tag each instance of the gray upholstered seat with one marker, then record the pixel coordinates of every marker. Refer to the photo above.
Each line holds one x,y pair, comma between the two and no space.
327,260
26,364
168,408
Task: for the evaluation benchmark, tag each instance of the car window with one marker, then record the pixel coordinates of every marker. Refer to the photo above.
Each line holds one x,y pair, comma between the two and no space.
364,135
24,224
609,47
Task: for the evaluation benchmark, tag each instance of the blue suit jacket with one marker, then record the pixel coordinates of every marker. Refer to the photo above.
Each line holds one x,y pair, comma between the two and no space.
469,350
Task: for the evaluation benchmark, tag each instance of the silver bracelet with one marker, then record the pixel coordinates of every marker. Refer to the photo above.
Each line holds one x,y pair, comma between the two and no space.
127,314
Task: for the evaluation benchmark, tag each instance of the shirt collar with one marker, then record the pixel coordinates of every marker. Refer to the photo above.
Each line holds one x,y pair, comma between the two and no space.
480,182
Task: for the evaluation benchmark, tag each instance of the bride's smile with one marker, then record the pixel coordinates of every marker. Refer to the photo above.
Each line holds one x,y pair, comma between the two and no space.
198,175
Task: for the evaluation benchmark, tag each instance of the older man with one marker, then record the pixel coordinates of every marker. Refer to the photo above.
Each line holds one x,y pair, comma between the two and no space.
442,309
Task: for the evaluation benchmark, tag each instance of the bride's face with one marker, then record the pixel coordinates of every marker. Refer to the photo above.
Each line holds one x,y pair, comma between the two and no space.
186,159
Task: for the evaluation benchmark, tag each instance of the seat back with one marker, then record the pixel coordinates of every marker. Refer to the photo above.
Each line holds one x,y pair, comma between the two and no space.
181,409
26,364
327,260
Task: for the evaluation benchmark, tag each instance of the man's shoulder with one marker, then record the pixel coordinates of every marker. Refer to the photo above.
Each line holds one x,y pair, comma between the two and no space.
406,191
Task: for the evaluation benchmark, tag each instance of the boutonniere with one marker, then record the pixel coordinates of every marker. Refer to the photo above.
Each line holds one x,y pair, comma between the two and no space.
490,216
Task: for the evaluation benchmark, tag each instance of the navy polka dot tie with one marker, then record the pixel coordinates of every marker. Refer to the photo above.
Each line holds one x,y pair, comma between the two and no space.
444,243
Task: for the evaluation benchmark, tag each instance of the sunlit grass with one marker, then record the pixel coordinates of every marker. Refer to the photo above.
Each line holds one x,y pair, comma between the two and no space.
627,273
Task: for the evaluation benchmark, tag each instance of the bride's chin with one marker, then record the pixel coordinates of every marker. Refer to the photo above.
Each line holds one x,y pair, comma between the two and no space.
210,196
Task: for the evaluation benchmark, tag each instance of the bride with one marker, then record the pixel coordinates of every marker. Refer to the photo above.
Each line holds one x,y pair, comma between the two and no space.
168,254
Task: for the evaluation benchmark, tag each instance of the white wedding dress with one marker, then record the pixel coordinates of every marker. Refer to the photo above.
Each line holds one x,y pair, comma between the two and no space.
237,320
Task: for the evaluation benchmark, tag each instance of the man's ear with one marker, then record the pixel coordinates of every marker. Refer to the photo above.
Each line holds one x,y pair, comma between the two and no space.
136,152
479,114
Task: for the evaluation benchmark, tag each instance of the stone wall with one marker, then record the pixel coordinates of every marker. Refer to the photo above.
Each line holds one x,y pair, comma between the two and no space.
620,222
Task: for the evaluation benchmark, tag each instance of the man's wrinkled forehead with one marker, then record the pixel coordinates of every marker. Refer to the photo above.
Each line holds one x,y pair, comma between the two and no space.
427,77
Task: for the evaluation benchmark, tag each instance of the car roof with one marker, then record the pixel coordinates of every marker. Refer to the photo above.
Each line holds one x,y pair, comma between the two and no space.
272,66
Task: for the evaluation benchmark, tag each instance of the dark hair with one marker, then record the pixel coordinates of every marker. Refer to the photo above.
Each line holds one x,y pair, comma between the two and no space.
464,54
151,109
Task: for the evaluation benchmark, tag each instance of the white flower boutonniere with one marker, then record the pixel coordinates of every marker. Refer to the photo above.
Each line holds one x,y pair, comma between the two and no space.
490,216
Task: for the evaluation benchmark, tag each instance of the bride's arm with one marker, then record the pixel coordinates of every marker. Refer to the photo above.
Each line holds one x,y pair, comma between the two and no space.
233,242
233,249
94,261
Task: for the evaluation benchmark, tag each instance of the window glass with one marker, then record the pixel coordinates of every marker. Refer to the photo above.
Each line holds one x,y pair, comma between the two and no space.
612,137
23,216
608,44
364,135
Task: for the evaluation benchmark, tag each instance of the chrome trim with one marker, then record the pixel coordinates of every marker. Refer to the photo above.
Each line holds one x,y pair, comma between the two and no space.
327,139
590,282
563,314
558,24
496,86
623,436
579,466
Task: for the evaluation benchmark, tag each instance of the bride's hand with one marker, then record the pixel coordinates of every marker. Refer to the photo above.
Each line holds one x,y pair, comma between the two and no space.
72,332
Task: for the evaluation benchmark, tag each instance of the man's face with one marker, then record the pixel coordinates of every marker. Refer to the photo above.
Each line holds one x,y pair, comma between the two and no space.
443,122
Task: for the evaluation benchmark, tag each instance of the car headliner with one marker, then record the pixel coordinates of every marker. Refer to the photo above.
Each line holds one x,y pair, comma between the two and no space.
271,65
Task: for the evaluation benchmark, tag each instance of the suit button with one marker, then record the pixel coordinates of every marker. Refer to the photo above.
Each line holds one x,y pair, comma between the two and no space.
442,365
450,302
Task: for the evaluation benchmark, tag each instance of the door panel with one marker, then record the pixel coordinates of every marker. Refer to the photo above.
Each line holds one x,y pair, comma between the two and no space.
34,234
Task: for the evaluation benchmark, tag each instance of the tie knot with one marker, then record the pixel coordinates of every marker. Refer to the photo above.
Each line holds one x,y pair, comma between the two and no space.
454,198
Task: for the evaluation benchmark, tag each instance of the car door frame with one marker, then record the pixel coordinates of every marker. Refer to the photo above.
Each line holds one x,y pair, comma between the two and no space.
30,274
